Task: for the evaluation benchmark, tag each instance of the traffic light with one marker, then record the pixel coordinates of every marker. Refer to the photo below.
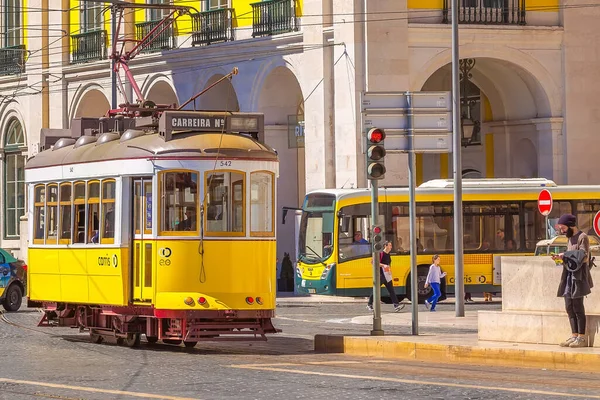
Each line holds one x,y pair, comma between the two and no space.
375,153
377,238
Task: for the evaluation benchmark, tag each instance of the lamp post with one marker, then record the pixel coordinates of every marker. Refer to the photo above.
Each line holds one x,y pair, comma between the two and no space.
469,127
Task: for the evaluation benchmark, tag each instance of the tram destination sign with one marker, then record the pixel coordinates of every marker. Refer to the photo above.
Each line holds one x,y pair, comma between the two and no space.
175,122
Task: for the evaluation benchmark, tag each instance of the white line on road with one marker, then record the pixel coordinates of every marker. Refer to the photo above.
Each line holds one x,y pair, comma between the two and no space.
259,367
94,390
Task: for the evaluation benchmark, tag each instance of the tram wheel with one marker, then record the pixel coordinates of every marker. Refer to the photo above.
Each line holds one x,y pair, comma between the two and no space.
151,339
189,344
96,337
132,340
172,341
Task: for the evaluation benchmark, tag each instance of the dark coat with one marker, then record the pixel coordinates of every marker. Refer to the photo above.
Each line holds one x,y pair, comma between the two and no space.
575,267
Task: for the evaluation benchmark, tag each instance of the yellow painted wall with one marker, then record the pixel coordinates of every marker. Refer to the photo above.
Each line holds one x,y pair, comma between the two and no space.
531,5
25,23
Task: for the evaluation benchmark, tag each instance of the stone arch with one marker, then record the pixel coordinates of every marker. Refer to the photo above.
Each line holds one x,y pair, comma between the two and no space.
90,101
9,113
280,96
160,90
264,73
221,97
531,74
525,159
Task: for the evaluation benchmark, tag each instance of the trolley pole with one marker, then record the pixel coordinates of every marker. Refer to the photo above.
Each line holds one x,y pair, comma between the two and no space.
377,331
113,74
459,288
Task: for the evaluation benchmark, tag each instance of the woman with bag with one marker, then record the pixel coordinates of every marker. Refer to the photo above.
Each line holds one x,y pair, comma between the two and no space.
385,276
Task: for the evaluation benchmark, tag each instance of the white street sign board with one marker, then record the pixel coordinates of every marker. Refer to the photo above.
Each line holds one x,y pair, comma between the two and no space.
441,143
428,121
441,101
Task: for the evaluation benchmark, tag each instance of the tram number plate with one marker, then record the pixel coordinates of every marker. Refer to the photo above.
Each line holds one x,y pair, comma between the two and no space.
225,163
312,291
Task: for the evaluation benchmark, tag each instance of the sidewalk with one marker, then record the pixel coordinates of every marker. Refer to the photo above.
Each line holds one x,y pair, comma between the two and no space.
464,348
284,298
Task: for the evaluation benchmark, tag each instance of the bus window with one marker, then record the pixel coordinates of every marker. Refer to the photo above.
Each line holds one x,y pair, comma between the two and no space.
316,228
433,220
355,242
79,213
586,209
39,220
65,213
52,210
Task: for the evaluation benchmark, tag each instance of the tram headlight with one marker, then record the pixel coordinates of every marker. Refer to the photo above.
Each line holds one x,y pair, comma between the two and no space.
326,270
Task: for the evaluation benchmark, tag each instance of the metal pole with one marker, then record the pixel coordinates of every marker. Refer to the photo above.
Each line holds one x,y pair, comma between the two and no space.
412,216
546,227
113,74
459,283
377,331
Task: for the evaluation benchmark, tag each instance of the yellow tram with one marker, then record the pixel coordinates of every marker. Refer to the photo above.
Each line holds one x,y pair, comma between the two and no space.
166,229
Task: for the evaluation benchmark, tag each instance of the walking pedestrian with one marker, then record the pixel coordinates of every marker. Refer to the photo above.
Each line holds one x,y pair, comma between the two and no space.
576,281
385,276
433,278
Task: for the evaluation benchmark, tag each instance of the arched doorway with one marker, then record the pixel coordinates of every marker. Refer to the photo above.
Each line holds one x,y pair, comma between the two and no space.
161,92
221,97
281,100
504,104
15,150
92,103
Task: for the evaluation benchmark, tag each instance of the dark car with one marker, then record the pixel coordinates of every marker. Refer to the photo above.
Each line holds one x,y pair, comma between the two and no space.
13,280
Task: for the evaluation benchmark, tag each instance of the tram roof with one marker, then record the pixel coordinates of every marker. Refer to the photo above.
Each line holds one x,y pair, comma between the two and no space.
135,144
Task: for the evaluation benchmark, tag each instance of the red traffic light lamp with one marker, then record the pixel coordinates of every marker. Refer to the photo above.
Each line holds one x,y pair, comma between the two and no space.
375,153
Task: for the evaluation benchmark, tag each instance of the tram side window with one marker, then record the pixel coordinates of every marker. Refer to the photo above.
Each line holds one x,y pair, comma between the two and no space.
39,219
79,214
179,194
65,213
108,211
93,211
52,218
261,203
225,194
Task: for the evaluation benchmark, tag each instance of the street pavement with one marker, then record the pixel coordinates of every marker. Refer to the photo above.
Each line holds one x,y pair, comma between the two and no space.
61,363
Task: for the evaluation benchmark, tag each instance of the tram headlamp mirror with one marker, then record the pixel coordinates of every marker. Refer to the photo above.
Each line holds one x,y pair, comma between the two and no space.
243,124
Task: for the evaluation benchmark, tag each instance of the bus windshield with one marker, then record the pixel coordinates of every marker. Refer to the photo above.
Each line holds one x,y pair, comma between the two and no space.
316,228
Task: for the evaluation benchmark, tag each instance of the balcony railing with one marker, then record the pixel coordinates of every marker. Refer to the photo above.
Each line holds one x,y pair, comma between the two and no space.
88,46
158,40
12,60
499,12
212,26
274,17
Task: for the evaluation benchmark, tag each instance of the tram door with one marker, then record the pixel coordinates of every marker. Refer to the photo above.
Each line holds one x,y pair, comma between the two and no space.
143,250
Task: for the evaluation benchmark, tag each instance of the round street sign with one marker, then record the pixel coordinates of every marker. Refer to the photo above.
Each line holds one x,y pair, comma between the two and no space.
597,223
545,202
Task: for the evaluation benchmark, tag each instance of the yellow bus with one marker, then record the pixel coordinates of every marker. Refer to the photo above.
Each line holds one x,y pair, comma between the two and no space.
501,217
164,230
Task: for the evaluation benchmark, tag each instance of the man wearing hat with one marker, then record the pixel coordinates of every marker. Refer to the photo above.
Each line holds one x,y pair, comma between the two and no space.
576,281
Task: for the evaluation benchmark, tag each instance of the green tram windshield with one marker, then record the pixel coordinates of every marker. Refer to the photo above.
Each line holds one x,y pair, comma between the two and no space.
316,228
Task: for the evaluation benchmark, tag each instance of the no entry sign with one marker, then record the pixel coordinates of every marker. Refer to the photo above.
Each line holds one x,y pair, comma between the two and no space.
545,202
597,223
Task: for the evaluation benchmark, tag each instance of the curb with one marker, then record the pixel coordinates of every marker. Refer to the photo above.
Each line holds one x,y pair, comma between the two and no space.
443,353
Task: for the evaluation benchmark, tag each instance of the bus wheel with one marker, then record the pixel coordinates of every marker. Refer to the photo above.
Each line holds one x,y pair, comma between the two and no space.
423,293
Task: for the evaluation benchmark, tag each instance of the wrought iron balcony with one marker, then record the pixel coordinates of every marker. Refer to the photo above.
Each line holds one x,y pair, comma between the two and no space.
89,46
499,12
212,26
12,60
158,40
274,17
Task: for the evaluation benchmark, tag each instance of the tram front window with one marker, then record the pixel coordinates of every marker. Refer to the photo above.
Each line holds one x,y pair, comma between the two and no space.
316,228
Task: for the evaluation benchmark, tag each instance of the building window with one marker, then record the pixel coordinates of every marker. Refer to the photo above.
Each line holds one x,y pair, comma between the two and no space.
156,14
225,194
91,16
14,167
261,204
209,5
179,203
11,22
